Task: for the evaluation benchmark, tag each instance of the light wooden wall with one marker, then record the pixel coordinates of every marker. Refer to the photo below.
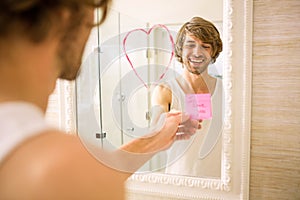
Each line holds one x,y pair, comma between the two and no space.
275,140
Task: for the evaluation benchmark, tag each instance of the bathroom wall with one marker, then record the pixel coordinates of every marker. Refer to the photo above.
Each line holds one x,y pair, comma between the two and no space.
275,131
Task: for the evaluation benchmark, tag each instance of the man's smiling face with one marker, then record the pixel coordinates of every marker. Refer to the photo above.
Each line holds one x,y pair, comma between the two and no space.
196,55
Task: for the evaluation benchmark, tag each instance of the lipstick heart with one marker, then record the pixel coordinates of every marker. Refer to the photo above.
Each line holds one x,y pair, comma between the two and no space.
147,33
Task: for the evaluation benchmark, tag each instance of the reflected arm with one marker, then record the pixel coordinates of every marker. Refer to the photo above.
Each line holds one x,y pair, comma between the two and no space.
162,96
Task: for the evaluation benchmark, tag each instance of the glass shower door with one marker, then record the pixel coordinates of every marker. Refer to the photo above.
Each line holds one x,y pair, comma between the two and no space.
124,60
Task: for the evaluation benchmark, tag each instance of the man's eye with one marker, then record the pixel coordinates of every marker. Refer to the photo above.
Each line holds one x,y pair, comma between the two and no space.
206,46
189,45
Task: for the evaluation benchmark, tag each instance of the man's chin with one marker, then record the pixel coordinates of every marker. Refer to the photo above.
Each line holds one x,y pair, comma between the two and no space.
196,72
69,77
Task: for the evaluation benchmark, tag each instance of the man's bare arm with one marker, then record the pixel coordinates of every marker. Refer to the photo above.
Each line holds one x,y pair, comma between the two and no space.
162,96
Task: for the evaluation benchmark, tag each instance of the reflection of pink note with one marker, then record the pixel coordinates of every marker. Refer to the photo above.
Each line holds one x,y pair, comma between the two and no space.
198,106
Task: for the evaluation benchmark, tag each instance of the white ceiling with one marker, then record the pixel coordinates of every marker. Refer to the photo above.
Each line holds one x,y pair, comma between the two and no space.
170,11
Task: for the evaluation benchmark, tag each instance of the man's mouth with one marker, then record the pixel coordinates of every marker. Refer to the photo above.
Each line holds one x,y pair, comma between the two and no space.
197,61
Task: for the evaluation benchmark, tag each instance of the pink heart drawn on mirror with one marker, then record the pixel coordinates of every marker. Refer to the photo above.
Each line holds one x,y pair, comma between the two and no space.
147,33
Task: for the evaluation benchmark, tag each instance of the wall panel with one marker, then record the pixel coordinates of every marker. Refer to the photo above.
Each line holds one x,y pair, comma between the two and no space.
275,140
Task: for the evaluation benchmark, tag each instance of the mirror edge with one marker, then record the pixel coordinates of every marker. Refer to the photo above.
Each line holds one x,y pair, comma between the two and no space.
234,182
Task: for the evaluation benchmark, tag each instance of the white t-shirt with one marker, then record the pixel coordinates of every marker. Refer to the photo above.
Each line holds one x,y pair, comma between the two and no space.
201,155
19,121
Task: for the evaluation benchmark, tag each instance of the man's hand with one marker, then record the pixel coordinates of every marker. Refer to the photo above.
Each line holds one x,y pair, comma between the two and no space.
168,128
187,127
173,126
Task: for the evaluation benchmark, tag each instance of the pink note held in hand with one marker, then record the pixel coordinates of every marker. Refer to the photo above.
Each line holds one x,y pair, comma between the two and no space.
198,106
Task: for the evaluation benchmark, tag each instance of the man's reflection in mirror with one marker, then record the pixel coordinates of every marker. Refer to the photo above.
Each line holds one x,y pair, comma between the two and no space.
198,45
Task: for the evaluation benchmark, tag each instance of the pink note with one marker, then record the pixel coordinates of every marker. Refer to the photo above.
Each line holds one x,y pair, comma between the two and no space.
198,106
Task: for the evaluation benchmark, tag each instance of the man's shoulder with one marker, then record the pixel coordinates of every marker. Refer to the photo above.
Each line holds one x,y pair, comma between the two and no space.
54,163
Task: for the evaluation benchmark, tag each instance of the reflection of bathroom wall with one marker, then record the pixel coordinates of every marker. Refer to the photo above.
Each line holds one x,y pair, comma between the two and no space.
170,11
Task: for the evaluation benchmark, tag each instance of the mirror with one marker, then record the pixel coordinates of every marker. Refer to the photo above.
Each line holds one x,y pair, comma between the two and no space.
120,68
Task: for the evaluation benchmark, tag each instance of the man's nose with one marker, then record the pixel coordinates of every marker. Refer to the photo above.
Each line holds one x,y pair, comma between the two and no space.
199,51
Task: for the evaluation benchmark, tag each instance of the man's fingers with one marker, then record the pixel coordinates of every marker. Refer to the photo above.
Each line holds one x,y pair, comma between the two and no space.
199,125
183,136
191,123
188,128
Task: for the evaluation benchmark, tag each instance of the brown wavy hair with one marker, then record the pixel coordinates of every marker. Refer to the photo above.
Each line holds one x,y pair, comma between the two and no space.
34,18
203,30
